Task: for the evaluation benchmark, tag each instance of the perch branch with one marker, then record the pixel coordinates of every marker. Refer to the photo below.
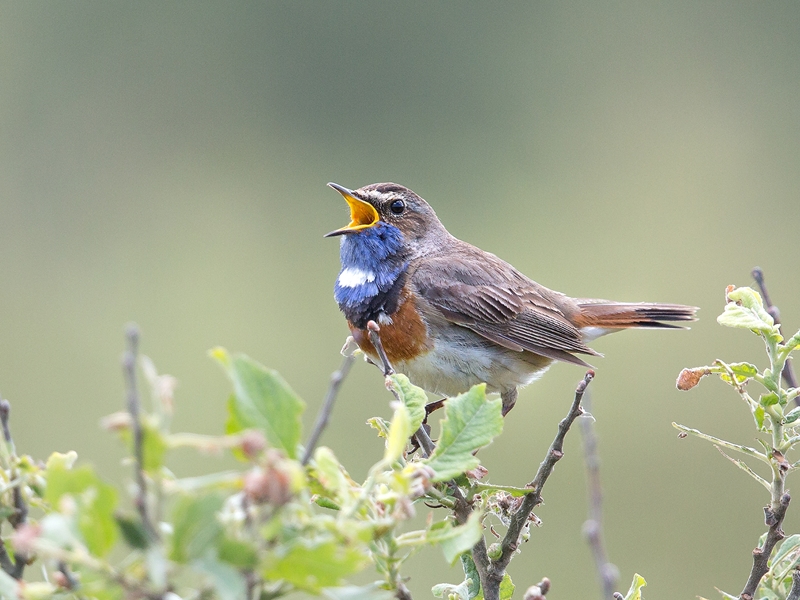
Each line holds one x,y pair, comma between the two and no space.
593,527
492,571
788,371
761,555
337,377
134,409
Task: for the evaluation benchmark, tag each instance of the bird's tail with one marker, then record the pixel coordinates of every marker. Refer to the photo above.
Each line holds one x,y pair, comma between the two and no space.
611,316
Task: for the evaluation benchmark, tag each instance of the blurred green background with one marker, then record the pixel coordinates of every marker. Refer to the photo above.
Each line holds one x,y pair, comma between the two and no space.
166,163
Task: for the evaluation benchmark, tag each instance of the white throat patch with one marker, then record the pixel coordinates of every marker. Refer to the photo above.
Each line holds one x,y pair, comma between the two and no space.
353,277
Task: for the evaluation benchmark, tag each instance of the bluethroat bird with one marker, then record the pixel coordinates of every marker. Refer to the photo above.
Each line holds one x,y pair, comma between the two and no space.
452,315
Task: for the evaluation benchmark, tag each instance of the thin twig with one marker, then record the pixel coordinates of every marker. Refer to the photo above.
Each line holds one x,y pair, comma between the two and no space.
402,592
69,577
788,371
20,516
129,370
761,555
337,377
492,571
593,527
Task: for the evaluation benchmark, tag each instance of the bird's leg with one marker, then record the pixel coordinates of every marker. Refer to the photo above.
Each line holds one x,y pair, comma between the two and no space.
373,331
509,398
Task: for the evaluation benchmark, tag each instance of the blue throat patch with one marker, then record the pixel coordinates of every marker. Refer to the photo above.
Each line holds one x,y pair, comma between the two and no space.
373,273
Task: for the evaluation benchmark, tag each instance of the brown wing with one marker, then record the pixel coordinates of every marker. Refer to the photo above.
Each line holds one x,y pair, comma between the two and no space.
479,291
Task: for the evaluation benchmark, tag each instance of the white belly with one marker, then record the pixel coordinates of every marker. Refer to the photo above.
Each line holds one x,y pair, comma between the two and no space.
463,359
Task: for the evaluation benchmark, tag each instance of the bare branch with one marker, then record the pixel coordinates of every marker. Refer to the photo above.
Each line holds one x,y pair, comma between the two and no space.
134,409
788,372
337,377
761,555
402,592
593,527
492,571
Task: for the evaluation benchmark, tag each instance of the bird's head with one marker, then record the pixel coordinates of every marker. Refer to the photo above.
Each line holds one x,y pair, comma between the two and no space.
390,204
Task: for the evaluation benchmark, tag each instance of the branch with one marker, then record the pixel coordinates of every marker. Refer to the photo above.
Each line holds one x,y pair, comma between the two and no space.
492,571
337,377
761,555
134,409
593,527
788,372
20,516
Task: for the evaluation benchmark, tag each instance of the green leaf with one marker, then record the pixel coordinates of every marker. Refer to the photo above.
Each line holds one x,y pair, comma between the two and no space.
635,593
471,574
507,588
352,592
237,553
332,476
769,399
454,541
227,581
380,425
96,502
746,310
263,400
195,526
399,432
471,422
154,447
787,550
517,492
793,342
96,586
744,370
792,415
311,566
758,415
413,397
133,531
725,444
448,590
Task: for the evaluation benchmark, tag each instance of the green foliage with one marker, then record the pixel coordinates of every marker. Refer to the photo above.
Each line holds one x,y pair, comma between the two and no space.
635,591
745,310
262,400
777,425
471,422
275,527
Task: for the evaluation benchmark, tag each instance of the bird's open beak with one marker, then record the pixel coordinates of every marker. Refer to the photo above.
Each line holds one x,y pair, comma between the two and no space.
362,214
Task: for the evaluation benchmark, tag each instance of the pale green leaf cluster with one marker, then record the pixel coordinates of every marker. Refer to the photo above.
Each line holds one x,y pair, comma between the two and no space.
771,410
275,524
635,591
471,422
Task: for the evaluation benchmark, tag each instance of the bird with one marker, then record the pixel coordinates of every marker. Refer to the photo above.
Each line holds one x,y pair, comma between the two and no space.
452,315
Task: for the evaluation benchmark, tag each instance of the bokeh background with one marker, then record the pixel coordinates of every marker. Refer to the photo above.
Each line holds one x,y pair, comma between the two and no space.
165,163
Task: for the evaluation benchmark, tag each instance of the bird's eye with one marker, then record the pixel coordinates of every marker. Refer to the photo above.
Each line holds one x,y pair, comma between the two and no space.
397,207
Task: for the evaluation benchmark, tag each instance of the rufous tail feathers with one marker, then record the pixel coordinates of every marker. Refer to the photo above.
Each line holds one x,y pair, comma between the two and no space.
623,315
